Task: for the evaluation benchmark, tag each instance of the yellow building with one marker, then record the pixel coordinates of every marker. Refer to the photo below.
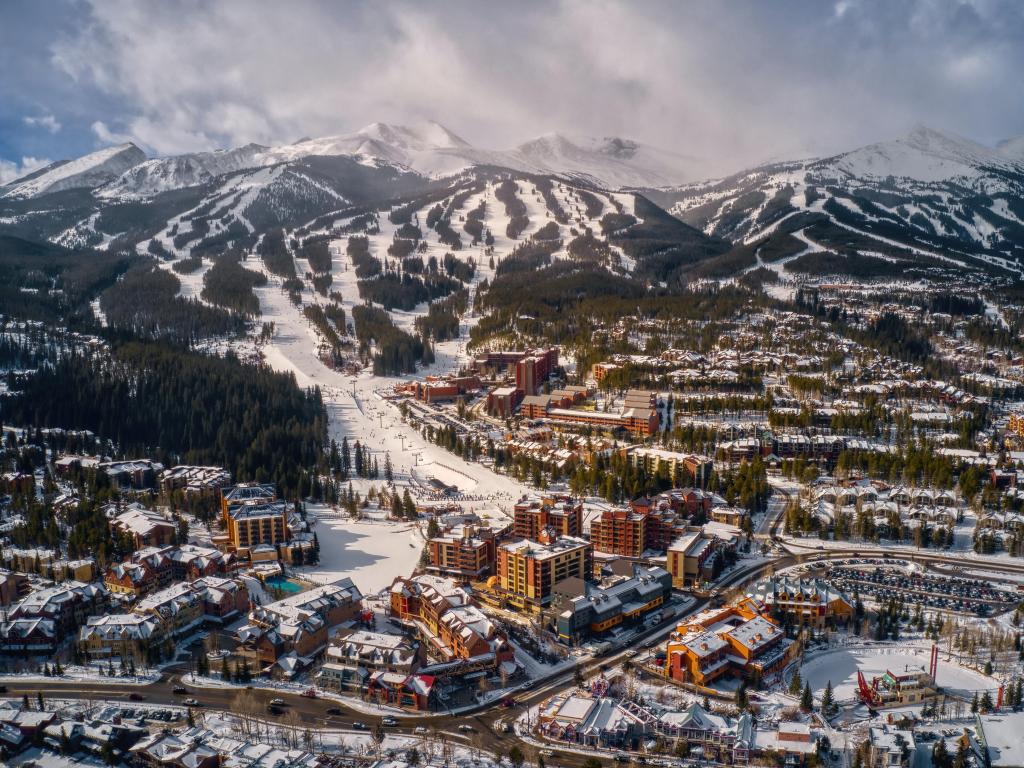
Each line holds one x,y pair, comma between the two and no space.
528,570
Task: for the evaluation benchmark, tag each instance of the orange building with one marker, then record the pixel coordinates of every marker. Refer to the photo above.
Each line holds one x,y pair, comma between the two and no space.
737,639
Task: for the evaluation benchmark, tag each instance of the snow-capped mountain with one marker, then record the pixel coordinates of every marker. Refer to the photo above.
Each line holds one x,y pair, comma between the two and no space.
923,155
152,177
926,198
1012,149
428,149
89,172
924,201
611,161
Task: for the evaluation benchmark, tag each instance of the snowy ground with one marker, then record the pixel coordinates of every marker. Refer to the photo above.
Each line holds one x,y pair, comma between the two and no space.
840,667
372,553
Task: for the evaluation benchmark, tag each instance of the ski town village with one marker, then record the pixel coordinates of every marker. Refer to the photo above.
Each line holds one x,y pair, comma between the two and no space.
738,591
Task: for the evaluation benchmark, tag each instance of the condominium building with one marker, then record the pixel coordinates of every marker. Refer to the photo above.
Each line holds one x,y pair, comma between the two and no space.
253,516
528,570
465,551
806,603
689,558
559,513
679,468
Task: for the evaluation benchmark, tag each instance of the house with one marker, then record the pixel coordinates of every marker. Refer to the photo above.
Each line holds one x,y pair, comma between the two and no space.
890,747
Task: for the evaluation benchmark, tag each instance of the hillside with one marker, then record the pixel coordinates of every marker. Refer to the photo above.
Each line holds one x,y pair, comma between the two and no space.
924,204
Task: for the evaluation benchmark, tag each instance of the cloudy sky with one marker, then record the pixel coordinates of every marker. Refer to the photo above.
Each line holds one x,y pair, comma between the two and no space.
733,82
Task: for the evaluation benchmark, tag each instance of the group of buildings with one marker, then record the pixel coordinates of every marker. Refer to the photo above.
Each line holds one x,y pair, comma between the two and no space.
545,562
749,638
586,719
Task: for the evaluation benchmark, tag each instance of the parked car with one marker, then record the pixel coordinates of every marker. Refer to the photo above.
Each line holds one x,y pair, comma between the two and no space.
419,730
192,703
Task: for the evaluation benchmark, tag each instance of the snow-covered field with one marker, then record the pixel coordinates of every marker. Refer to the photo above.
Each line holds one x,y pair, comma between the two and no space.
840,666
371,553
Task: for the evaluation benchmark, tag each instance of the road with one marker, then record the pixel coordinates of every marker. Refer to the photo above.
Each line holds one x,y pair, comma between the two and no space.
485,719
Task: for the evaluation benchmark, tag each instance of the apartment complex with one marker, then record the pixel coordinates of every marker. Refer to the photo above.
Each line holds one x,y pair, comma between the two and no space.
451,628
253,517
697,556
465,552
558,513
641,526
526,372
528,570
638,416
283,637
679,468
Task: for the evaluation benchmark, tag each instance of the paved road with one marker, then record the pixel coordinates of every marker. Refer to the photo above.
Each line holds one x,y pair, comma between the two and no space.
485,719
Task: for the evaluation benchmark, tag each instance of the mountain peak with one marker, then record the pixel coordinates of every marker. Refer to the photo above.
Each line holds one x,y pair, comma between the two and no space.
87,171
421,136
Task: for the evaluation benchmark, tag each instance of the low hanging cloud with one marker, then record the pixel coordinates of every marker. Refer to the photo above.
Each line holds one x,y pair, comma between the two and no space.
735,83
46,122
9,171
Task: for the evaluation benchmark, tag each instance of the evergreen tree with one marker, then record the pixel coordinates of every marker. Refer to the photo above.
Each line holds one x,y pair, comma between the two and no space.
986,702
974,704
807,699
796,684
828,702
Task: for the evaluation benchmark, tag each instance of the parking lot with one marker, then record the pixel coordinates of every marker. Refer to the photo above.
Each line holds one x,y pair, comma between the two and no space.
882,581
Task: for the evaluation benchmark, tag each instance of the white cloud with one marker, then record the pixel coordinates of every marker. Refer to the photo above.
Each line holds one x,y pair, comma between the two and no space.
47,122
735,82
9,171
106,136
